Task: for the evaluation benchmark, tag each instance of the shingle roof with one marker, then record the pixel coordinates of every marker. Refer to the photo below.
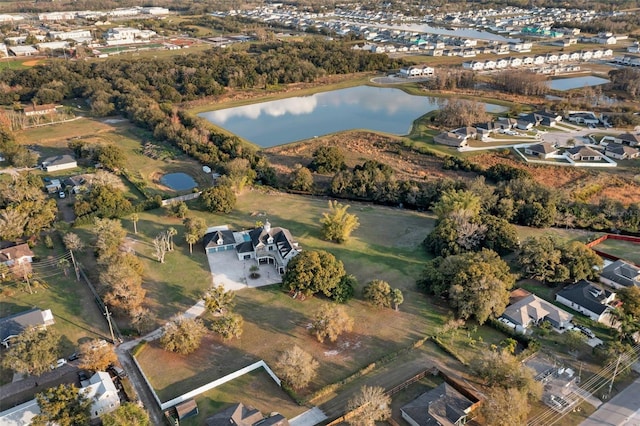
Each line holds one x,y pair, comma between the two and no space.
622,273
440,406
587,295
533,308
237,414
17,323
542,148
584,151
15,252
211,239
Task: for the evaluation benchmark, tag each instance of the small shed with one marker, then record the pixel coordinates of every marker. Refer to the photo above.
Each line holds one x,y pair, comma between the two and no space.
187,409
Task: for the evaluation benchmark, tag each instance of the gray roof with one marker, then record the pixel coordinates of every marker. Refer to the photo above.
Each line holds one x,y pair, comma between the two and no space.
449,139
281,237
622,273
59,159
542,148
533,308
587,295
238,414
440,406
584,151
225,236
621,149
17,323
630,137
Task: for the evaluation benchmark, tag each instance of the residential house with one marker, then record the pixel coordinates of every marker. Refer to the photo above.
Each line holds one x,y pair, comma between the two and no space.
607,53
628,139
547,118
563,57
416,71
102,393
515,62
505,123
527,121
264,244
542,150
574,56
527,60
621,152
597,54
502,63
16,253
473,65
538,60
551,58
586,55
501,49
451,139
607,39
443,405
13,325
521,47
588,299
59,162
489,64
20,415
32,110
242,415
527,309
620,274
485,129
583,153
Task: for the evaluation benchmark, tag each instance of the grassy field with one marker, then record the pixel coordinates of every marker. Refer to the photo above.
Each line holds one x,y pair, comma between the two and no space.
623,249
77,317
146,165
382,248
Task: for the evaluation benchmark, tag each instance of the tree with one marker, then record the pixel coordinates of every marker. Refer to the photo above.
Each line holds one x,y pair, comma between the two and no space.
505,407
301,180
64,264
122,283
396,298
330,321
461,112
127,414
378,293
313,271
63,405
327,159
296,367
196,226
541,259
465,202
32,352
218,301
183,335
109,237
499,368
630,298
476,283
72,242
337,224
135,217
191,239
171,232
160,245
228,326
219,199
96,355
582,262
112,157
343,292
574,339
372,405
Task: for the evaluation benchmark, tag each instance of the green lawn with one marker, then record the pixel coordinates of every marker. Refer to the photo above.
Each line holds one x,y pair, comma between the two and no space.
386,246
624,249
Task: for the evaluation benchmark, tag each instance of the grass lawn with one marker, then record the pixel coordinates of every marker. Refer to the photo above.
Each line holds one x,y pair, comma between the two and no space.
145,165
274,321
77,316
473,339
624,249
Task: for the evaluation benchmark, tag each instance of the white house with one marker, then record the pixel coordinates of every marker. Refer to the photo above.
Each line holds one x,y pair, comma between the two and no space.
515,62
539,60
527,60
20,415
563,57
489,64
586,55
473,65
18,253
574,56
59,162
620,274
102,393
588,299
502,63
264,244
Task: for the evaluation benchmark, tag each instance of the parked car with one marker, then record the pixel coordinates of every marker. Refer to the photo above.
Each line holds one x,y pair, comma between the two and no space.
61,194
73,356
82,375
117,371
59,363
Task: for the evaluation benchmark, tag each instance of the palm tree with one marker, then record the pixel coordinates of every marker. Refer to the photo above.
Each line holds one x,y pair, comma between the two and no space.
170,233
191,239
135,218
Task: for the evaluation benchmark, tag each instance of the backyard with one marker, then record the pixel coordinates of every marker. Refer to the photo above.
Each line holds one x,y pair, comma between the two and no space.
623,249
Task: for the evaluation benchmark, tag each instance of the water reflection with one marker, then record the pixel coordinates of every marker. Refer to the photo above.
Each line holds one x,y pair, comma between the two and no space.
278,122
563,84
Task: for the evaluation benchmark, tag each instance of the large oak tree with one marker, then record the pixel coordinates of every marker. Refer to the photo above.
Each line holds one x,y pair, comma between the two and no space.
312,272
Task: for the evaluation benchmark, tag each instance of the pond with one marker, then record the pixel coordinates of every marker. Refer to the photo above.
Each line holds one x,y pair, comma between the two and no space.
563,84
178,181
288,120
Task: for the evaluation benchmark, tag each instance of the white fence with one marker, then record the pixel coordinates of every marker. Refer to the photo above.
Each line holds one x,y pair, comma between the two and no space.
185,197
569,162
217,383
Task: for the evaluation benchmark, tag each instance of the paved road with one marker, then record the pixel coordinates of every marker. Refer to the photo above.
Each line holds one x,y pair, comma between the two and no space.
623,409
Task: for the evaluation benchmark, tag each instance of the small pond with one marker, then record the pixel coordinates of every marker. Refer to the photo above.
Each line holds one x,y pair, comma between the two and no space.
178,181
563,84
288,120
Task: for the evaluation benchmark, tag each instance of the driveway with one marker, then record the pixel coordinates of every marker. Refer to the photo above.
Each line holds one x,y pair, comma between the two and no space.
234,274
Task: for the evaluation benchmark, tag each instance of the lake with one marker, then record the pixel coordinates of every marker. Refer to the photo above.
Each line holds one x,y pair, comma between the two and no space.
178,181
563,84
288,120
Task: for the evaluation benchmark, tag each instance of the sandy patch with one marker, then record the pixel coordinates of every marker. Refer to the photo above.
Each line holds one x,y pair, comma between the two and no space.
32,62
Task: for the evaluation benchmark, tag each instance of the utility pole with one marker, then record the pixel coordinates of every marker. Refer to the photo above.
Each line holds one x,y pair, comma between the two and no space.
615,372
75,266
26,276
108,315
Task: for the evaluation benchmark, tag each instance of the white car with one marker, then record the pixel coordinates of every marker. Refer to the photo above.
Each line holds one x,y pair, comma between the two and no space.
59,363
61,194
